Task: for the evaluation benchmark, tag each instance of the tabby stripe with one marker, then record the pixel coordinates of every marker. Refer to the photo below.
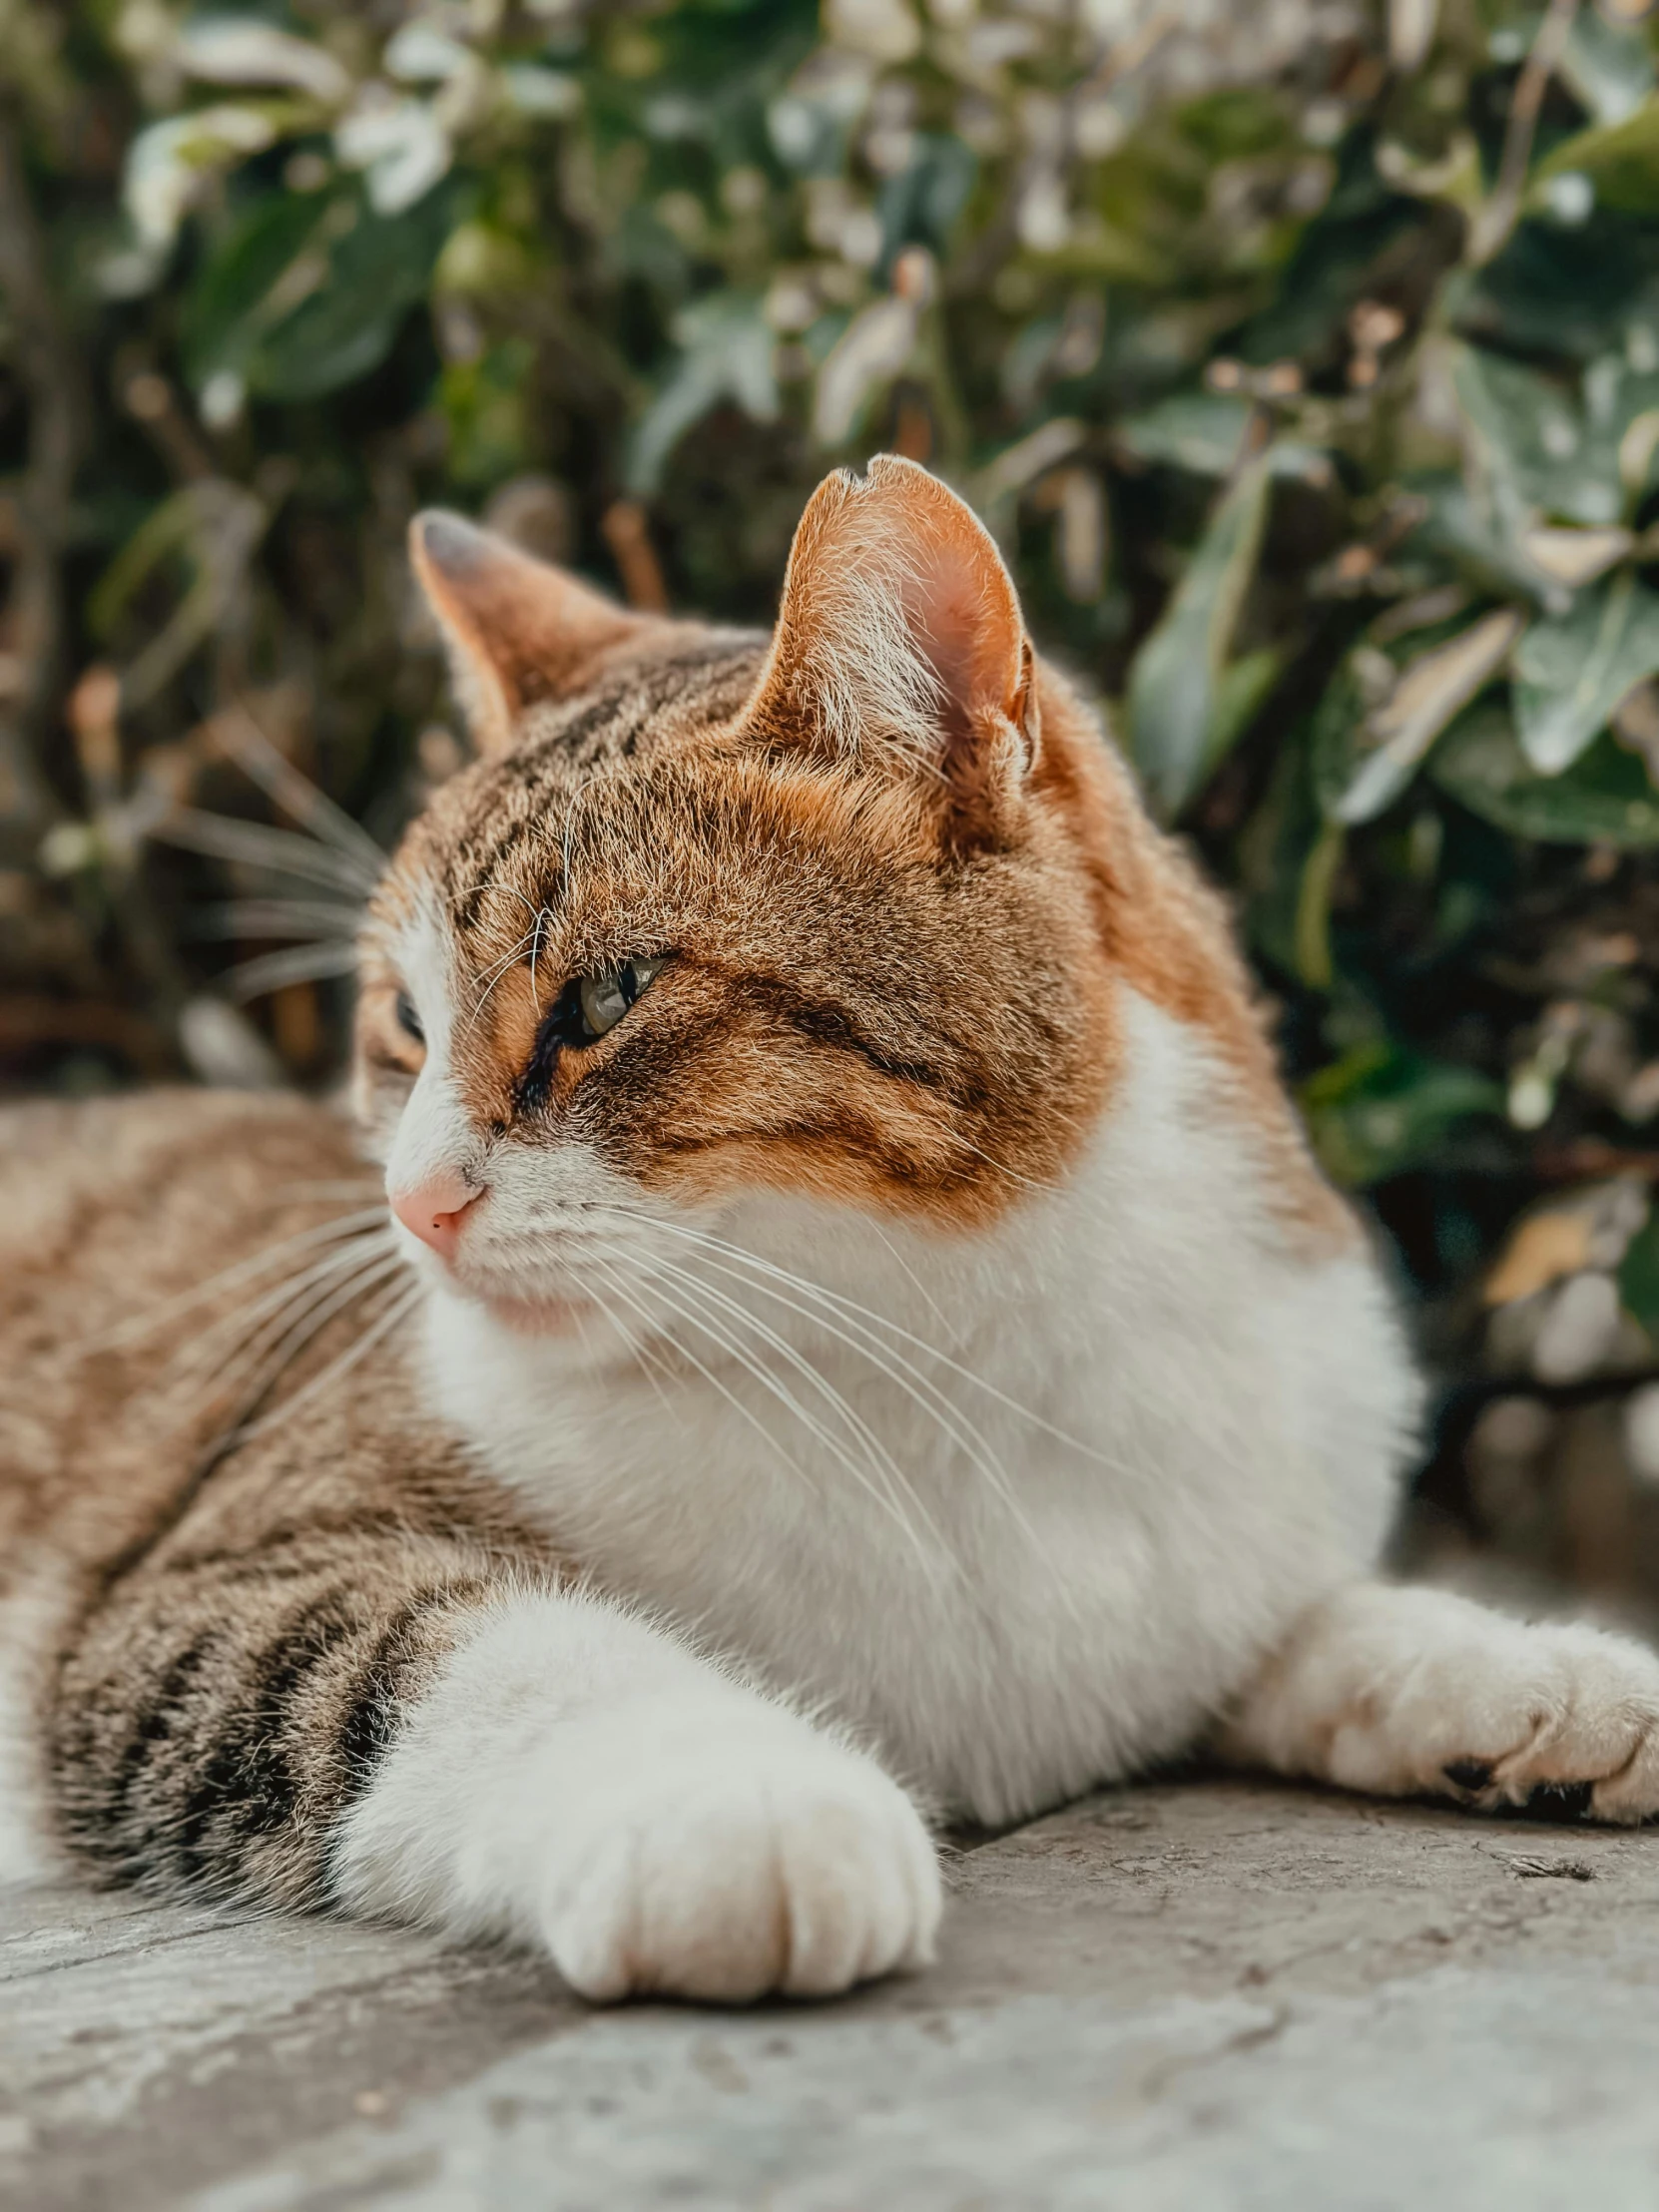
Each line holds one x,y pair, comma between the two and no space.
155,1721
369,1721
829,1025
836,1135
324,1531
248,1783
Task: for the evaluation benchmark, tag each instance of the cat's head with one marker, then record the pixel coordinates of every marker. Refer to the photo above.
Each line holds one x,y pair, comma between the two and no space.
716,916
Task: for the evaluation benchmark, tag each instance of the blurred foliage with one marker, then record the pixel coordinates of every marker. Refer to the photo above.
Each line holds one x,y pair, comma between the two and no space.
1305,358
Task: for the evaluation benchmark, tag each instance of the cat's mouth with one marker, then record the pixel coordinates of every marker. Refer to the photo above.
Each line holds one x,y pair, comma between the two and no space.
563,1309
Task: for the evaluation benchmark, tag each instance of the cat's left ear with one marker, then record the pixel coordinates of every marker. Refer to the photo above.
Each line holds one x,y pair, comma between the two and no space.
899,643
517,629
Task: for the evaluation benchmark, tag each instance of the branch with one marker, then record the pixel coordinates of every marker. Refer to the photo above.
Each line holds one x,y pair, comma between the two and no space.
1498,218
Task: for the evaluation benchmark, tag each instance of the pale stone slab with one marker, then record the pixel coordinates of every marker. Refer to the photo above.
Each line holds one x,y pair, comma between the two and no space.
1200,1995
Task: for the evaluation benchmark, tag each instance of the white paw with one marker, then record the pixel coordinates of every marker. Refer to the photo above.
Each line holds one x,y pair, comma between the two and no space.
579,1779
1493,1711
762,1860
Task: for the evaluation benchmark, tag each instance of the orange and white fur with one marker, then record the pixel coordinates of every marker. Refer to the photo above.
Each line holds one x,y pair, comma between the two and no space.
880,1339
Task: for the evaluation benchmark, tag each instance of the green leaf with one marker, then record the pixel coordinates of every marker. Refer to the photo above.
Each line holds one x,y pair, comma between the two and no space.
1364,757
878,345
1453,175
1273,863
1534,442
1608,66
1380,1110
1621,161
1638,451
377,270
1622,401
483,401
1176,703
1561,291
1460,528
921,204
1311,939
164,530
1573,556
1573,670
1639,1278
727,349
1204,432
1606,798
1241,689
1198,430
307,292
236,295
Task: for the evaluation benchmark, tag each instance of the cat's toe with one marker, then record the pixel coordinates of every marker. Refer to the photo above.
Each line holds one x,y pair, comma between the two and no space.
1580,1712
800,1880
861,1893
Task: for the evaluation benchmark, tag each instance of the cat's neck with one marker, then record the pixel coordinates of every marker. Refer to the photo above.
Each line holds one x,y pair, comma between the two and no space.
877,1369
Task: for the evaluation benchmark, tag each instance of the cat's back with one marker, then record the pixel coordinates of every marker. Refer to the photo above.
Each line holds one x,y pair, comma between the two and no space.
103,1199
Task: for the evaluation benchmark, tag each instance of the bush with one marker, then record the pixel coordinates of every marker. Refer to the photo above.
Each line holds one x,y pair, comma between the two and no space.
1306,365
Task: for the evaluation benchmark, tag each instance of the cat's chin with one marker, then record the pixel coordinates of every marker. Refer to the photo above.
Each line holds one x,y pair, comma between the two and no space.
541,1317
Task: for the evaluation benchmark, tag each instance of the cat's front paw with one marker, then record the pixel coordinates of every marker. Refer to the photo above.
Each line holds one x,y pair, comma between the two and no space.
1575,1725
1497,1712
738,1868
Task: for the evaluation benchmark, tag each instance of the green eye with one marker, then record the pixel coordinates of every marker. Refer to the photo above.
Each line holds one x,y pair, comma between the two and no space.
588,1008
605,998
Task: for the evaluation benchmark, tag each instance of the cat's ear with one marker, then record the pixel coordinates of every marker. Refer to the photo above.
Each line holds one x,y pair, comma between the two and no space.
900,640
517,629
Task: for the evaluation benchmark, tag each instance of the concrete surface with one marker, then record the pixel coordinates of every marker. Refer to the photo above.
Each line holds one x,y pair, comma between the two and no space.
1198,1995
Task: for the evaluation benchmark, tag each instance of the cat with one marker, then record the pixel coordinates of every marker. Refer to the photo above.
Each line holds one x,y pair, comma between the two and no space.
857,1340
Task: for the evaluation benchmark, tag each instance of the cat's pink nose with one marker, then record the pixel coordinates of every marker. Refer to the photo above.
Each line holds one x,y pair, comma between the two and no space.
436,1210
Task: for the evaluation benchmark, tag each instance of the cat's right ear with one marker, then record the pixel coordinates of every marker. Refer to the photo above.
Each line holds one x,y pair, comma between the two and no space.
517,630
901,647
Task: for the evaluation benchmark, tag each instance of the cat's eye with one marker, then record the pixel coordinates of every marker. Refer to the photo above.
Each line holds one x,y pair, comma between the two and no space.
588,1008
603,999
407,1019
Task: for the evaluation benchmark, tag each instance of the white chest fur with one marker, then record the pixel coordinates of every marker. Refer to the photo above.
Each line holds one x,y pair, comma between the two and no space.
1155,1435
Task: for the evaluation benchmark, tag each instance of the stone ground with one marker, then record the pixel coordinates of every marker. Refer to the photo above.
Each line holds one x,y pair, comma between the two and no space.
1201,1995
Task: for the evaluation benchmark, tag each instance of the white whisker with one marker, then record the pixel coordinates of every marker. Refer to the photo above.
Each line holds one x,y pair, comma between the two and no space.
885,1465
288,1333
238,1336
328,1232
542,918
256,845
400,1311
650,1361
495,972
746,1413
879,1492
867,1316
303,963
920,1389
297,796
361,1186
539,920
279,917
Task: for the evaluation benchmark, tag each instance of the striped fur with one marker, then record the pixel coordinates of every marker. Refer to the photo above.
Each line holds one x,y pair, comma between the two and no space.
234,1630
